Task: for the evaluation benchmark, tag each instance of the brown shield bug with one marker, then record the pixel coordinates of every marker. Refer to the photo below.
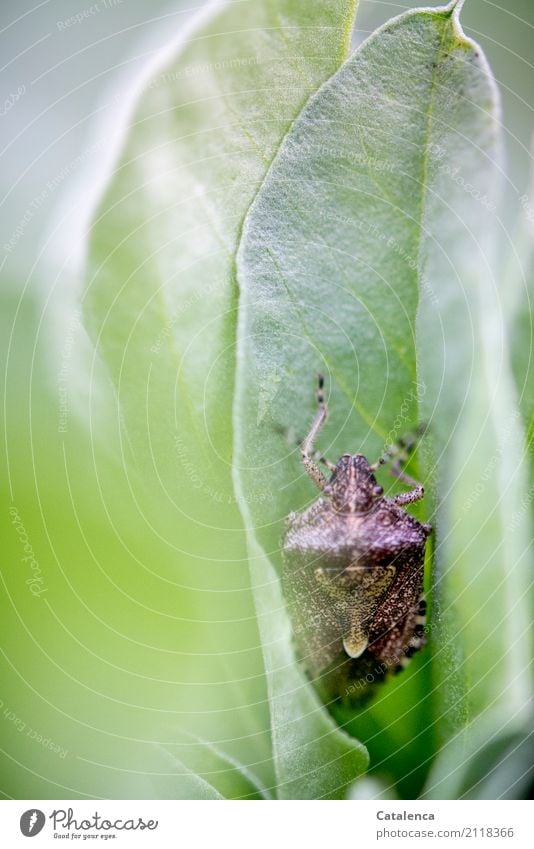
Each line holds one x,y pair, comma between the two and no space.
353,573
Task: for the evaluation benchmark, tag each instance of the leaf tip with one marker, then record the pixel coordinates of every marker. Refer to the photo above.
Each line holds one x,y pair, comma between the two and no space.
454,8
452,11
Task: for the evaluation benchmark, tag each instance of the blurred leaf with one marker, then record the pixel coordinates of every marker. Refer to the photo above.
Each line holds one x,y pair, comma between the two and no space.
519,297
368,787
161,304
475,447
372,222
370,219
108,651
313,759
225,773
490,760
489,756
398,729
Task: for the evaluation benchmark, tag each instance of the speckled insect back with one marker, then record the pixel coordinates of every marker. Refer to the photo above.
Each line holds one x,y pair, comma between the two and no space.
353,574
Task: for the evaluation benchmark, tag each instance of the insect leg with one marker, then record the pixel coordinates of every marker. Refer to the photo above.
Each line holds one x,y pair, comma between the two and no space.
306,448
400,450
409,497
417,639
415,494
317,456
329,465
398,472
397,629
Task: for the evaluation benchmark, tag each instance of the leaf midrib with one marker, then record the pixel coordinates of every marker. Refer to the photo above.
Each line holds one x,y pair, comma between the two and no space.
447,19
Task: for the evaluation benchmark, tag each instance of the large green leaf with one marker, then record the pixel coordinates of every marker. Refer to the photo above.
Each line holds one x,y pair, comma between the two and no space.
105,655
486,556
160,304
475,460
367,256
489,759
148,662
518,278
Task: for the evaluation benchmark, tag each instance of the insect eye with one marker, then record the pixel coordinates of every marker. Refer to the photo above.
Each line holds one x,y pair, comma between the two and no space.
378,490
327,490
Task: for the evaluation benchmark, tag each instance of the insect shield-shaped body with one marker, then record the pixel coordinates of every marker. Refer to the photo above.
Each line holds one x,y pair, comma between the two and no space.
353,575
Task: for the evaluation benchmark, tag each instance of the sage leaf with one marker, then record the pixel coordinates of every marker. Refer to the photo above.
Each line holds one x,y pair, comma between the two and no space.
160,304
367,257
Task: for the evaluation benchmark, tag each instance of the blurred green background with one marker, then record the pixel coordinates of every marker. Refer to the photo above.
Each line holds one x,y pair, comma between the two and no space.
122,653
